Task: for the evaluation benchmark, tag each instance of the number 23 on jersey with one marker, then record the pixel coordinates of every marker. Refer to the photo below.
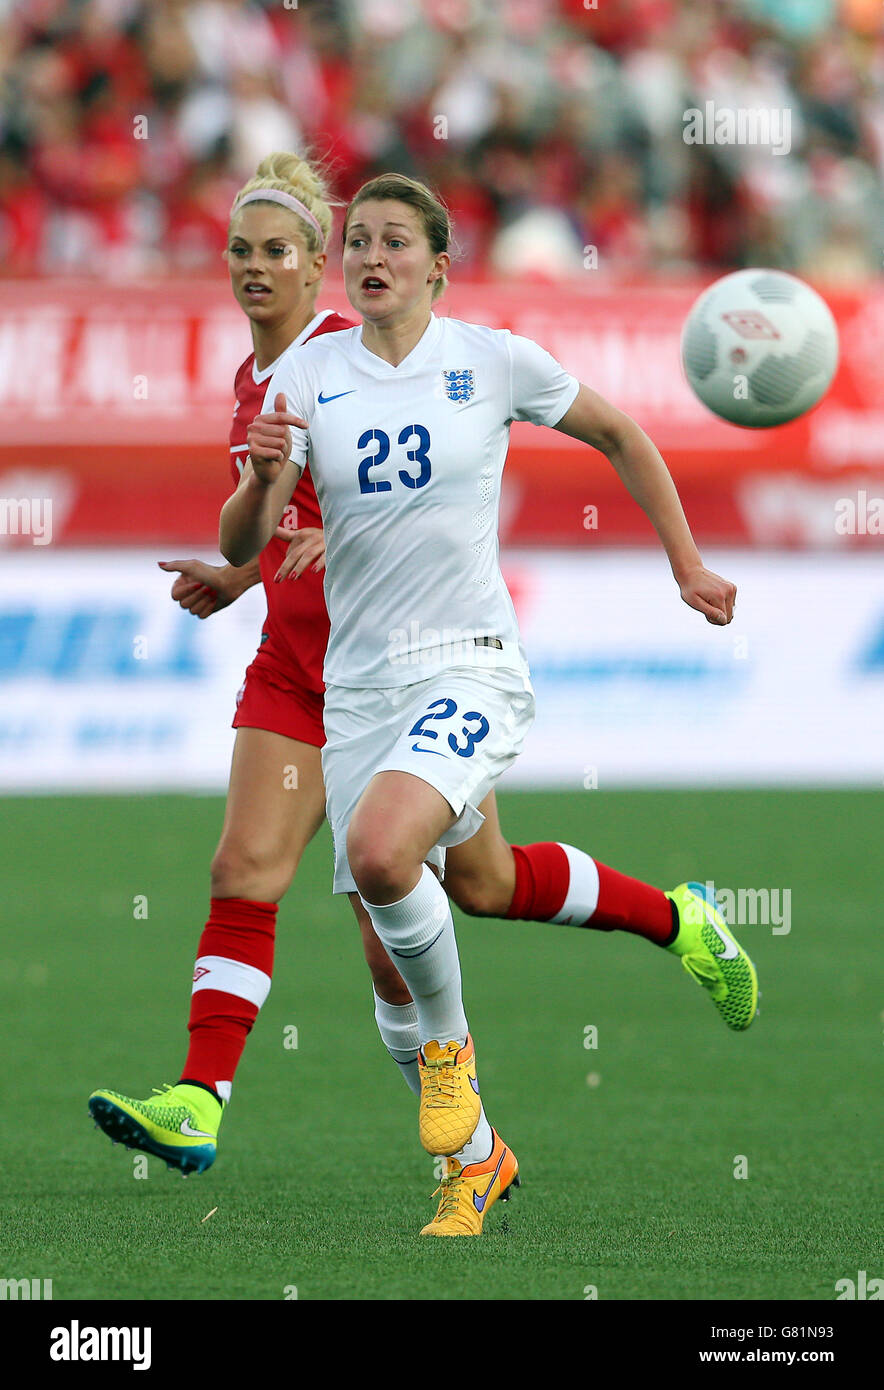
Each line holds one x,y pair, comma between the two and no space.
379,442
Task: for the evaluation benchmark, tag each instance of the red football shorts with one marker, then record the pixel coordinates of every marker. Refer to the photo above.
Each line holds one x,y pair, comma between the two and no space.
287,709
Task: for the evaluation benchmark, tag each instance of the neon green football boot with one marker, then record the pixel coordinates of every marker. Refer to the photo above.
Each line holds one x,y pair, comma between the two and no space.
179,1123
713,957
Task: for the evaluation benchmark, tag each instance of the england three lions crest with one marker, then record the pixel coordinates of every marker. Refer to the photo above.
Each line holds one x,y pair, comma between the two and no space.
459,386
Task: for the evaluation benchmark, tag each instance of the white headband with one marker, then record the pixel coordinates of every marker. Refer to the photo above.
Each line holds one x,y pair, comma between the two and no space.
273,195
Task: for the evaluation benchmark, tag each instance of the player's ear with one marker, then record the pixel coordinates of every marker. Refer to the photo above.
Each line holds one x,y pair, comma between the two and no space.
441,267
317,268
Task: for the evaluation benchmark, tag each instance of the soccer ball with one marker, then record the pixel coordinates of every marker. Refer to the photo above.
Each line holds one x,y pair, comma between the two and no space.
759,348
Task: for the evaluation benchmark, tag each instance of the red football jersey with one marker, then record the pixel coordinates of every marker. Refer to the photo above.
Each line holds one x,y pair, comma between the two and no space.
295,635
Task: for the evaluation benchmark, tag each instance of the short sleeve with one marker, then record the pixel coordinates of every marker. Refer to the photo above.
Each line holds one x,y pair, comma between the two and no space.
293,385
541,390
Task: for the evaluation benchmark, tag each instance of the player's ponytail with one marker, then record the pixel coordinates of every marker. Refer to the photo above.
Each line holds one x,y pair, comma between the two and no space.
296,178
432,211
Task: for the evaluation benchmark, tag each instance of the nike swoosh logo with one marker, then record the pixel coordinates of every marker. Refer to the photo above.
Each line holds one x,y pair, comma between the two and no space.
194,1133
474,1083
324,400
731,950
412,955
479,1202
416,749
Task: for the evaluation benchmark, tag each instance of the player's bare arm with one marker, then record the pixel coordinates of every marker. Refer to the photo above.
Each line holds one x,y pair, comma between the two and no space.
638,463
250,517
203,589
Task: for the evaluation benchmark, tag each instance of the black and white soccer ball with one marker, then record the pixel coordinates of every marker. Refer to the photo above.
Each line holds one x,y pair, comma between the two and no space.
759,348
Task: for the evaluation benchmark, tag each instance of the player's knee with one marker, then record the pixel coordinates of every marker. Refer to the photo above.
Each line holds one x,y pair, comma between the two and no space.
242,870
380,870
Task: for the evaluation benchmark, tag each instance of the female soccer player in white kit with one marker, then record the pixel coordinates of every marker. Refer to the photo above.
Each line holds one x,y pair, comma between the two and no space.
428,694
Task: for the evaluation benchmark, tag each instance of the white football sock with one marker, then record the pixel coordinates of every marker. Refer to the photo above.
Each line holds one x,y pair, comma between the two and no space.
418,935
397,1025
479,1145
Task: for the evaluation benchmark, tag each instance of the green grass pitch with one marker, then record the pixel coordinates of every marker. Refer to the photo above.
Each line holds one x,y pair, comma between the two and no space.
628,1151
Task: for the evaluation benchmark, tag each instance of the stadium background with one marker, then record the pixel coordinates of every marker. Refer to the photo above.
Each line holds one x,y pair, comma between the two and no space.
554,130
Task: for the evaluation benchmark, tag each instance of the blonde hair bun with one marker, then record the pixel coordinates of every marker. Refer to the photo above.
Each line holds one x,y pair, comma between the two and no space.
286,172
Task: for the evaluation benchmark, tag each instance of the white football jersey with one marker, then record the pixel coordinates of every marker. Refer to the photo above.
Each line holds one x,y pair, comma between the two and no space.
407,463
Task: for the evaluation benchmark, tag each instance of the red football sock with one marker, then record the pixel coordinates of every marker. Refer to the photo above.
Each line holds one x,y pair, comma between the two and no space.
556,882
627,904
231,980
542,878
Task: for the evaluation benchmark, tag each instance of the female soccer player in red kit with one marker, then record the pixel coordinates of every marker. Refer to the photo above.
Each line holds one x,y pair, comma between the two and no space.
279,724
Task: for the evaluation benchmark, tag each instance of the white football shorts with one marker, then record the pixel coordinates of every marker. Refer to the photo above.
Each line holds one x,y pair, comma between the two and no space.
458,731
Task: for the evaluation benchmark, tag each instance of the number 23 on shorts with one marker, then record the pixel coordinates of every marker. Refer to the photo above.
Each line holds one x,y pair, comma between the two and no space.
446,709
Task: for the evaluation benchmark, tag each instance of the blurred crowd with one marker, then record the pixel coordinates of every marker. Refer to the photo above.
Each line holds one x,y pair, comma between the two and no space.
549,126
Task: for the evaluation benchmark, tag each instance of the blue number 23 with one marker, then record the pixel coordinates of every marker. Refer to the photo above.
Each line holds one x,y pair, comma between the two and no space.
447,709
381,440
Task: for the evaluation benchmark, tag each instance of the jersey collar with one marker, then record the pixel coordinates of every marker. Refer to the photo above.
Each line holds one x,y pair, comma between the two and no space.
422,349
267,372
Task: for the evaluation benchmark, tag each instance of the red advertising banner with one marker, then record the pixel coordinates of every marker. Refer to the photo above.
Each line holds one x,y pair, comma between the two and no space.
115,403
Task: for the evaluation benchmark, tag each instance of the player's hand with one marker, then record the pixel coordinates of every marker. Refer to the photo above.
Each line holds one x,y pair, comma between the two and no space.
201,589
270,440
306,547
711,595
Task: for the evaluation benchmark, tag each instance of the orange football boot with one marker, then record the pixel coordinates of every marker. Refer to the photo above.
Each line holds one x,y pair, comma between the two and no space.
469,1192
450,1105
